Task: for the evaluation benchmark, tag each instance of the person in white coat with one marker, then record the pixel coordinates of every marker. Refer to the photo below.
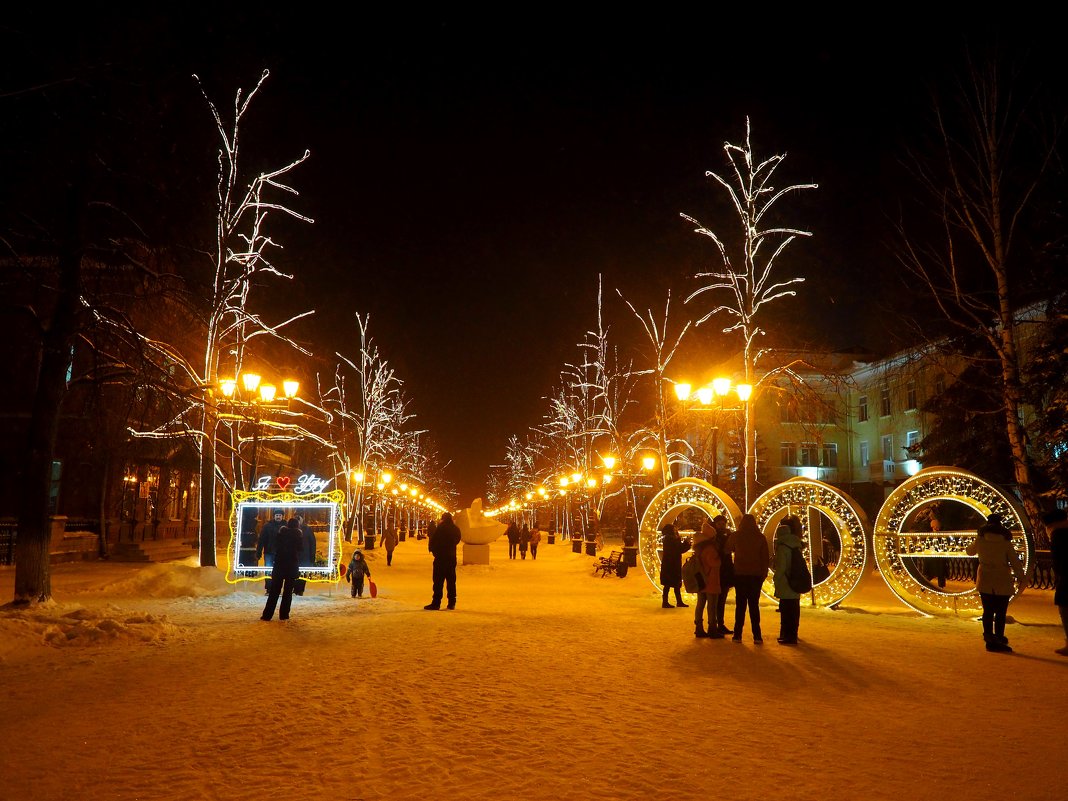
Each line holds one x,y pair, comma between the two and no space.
1000,572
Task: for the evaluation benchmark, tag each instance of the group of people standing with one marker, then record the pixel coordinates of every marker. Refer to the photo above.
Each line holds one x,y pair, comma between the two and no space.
522,539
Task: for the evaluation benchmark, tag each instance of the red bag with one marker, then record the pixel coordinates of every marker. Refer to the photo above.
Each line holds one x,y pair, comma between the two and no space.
373,588
341,568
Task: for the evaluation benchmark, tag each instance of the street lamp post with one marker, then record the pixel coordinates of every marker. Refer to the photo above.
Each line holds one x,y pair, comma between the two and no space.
714,397
251,402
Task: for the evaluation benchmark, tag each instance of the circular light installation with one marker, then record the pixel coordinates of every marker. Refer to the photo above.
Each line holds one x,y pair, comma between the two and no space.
893,543
666,505
812,501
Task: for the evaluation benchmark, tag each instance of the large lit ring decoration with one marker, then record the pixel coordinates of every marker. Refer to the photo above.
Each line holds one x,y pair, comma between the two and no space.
666,506
325,506
809,500
892,544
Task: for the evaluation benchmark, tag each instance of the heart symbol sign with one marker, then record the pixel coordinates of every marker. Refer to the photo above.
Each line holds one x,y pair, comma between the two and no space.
283,481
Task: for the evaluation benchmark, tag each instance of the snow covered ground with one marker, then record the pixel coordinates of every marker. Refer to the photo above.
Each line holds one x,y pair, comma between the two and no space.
161,682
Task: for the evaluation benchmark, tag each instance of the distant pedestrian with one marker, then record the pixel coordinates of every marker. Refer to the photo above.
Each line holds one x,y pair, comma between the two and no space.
673,547
535,538
247,538
1057,528
512,533
726,571
443,544
936,567
285,571
788,535
357,572
524,541
707,555
999,568
389,542
750,549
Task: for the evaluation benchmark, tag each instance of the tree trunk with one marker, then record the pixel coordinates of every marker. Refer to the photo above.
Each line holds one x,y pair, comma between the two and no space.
33,581
207,492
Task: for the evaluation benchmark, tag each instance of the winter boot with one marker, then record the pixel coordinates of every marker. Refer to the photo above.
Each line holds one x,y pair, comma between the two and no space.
698,631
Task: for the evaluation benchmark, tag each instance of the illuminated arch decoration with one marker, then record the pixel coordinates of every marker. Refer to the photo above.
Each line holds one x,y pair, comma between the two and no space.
812,500
686,493
323,507
893,544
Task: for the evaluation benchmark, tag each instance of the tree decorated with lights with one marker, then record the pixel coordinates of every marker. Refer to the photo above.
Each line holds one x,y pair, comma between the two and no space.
747,281
241,262
663,346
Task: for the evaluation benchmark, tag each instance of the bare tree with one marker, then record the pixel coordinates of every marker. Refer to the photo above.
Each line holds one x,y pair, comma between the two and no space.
992,157
663,346
748,281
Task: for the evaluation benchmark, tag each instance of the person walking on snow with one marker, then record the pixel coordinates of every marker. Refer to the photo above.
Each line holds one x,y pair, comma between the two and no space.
750,549
787,536
389,542
512,533
524,541
673,547
1057,528
286,570
706,551
535,538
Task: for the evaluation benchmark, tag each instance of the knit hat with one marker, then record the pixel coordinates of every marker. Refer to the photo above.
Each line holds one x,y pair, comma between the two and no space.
706,533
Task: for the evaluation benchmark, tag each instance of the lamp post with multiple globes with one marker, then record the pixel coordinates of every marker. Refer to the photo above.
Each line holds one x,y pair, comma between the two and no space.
721,396
247,399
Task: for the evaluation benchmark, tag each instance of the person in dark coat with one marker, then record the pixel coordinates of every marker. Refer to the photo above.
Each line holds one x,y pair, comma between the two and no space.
389,542
442,544
512,533
268,542
1057,527
358,570
307,558
726,571
524,541
671,564
286,570
751,557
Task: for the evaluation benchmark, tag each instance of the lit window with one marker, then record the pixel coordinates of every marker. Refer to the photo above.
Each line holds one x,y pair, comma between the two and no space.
810,454
830,454
787,454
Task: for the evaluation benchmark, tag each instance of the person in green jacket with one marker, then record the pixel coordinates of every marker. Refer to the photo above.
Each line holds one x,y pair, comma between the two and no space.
788,535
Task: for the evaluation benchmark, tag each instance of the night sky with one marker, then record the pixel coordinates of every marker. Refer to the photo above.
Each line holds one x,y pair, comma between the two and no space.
471,176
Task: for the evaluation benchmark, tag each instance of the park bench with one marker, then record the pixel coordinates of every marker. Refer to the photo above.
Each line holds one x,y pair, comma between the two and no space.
610,565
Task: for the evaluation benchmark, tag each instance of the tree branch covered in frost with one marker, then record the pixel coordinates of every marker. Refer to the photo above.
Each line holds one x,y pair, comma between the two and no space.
748,281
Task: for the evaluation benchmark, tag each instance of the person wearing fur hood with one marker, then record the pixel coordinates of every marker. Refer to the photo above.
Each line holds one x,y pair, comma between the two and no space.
707,555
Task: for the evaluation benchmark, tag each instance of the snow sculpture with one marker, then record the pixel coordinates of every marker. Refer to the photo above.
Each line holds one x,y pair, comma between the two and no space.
475,527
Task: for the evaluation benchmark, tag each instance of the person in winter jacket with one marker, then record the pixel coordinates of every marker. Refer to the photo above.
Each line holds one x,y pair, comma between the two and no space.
671,564
285,571
751,557
389,542
512,533
707,554
1000,568
788,535
726,570
308,537
443,544
267,542
535,538
1057,529
524,541
358,568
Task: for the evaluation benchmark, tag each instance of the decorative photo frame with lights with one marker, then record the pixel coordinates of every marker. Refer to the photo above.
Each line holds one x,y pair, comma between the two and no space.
667,505
841,547
899,542
321,510
907,532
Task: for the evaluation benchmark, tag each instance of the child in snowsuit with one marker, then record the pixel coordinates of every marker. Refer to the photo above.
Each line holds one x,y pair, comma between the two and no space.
357,570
